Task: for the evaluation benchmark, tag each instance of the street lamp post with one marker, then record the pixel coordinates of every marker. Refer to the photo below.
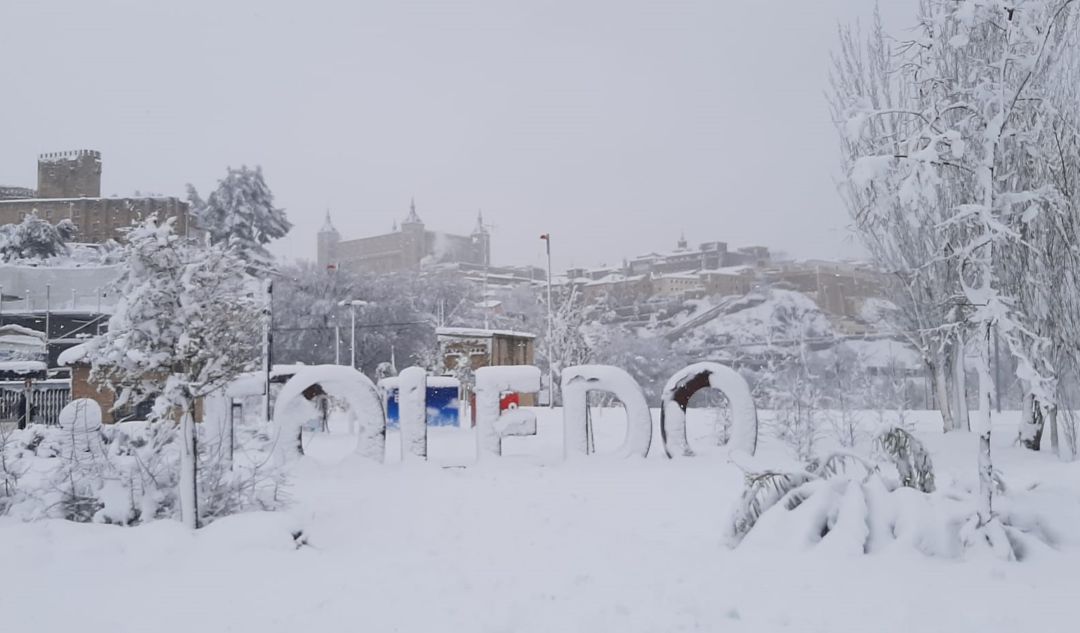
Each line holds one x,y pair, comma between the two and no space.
353,305
550,320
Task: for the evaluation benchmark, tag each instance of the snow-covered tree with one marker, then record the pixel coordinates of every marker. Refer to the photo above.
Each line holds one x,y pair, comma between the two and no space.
35,238
182,328
963,131
565,345
241,212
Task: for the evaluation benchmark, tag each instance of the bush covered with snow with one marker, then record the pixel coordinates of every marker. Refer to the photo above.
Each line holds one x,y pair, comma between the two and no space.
862,505
126,473
35,238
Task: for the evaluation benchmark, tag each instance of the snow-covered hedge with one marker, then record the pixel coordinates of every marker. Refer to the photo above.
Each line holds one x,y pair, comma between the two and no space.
127,473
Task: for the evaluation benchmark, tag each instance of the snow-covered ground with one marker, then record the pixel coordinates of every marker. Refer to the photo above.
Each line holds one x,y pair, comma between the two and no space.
528,542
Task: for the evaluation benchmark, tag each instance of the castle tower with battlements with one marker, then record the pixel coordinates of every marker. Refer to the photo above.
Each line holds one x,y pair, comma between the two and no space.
69,188
75,174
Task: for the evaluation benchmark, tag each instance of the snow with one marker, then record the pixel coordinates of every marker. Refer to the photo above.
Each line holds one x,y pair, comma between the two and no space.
70,287
578,381
465,332
15,330
22,366
81,416
600,545
744,433
884,353
73,355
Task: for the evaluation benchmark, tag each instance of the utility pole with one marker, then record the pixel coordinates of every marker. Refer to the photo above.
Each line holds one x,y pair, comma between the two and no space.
48,314
550,323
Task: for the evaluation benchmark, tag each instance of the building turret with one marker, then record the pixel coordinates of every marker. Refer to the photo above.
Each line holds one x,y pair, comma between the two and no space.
412,219
74,174
414,240
481,241
328,239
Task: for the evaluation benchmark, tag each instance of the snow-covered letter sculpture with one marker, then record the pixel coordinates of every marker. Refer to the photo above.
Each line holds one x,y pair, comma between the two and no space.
684,384
339,381
412,413
578,381
81,421
491,427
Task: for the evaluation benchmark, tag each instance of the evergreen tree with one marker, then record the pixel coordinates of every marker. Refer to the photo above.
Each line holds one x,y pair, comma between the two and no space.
241,213
35,238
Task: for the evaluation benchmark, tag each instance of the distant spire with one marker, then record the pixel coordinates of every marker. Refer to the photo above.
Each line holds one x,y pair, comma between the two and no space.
328,226
393,229
682,239
479,223
412,212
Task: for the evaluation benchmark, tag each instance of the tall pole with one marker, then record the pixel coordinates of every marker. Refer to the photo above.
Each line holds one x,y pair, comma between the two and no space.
48,311
352,343
1,305
268,344
550,325
337,344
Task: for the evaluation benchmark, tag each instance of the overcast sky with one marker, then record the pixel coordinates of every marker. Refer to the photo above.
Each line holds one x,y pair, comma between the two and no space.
615,125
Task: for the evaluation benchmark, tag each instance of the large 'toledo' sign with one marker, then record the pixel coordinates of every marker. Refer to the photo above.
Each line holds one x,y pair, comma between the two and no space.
492,425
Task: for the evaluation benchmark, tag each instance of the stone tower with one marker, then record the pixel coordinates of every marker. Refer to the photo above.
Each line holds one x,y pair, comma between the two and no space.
413,238
327,246
481,241
74,174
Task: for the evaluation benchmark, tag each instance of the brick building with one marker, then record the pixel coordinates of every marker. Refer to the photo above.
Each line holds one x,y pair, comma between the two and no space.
69,188
483,348
408,247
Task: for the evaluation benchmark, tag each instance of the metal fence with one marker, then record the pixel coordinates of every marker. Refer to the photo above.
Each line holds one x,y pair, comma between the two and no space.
47,399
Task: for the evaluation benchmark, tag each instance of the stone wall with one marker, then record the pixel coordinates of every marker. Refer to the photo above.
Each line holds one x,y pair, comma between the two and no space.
75,174
98,219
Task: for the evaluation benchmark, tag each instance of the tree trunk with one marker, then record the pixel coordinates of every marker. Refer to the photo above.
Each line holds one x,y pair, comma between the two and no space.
983,428
1031,423
941,391
1055,443
961,417
188,482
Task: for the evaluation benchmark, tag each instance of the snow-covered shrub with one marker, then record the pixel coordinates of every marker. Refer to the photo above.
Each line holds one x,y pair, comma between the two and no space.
800,404
35,238
909,456
128,473
849,504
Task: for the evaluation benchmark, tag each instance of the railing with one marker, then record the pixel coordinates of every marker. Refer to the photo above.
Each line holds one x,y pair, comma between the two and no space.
47,399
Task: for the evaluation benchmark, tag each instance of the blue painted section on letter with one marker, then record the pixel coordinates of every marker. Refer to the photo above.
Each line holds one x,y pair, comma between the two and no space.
443,407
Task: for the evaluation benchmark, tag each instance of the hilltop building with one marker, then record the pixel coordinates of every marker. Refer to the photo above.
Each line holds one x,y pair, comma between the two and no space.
408,247
710,269
69,188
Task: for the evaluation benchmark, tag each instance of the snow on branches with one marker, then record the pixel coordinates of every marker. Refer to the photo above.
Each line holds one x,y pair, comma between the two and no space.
35,238
241,213
182,328
945,137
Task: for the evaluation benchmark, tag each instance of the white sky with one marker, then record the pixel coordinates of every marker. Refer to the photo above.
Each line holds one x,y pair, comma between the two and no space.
613,124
